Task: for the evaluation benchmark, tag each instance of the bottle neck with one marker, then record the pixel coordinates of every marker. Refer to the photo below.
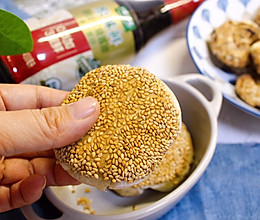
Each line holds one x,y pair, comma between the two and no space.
148,19
153,16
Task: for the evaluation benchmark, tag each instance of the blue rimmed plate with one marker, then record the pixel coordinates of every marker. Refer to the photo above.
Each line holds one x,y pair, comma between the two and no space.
208,16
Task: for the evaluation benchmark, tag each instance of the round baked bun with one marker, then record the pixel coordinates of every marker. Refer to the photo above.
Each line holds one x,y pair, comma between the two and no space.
171,171
139,120
248,89
229,45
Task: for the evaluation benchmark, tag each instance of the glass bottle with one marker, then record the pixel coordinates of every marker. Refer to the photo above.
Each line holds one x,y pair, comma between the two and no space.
85,37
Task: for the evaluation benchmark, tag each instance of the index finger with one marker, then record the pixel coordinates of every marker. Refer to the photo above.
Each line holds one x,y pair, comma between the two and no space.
19,96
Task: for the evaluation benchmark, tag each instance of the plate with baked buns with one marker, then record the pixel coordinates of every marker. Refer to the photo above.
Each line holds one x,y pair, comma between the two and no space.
223,38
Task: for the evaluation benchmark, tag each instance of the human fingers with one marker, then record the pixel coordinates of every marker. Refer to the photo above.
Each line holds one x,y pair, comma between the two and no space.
54,173
47,128
18,96
14,170
46,153
21,193
17,169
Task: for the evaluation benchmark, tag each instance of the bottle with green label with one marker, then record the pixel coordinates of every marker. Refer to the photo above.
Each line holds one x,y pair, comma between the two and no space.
83,38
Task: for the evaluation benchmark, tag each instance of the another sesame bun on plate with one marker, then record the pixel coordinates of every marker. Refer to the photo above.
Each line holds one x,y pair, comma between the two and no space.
173,169
139,120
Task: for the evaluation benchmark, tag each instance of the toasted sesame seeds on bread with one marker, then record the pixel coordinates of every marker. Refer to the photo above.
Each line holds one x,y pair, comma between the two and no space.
171,171
139,120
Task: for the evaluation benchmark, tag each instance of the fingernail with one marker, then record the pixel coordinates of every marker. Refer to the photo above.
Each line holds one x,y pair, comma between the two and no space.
39,181
83,108
45,182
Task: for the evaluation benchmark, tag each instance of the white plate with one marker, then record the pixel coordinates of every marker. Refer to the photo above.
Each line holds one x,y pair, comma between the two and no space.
208,16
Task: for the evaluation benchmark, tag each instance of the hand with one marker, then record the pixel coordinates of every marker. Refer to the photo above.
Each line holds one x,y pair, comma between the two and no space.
32,124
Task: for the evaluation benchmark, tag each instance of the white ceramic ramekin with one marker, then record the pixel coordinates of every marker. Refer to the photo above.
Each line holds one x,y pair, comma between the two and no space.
200,101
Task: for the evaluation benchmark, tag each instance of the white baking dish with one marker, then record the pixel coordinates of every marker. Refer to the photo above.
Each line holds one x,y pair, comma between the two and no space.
200,101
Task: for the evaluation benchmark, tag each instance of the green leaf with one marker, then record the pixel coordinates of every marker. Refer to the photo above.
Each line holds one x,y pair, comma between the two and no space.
15,36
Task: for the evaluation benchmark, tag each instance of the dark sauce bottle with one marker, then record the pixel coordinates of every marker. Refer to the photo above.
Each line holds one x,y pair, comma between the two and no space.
148,18
99,33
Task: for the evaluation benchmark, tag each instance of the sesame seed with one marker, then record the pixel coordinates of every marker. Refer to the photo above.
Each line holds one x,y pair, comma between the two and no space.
137,123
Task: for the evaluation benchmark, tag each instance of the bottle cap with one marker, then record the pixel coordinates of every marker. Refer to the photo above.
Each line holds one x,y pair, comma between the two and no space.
180,9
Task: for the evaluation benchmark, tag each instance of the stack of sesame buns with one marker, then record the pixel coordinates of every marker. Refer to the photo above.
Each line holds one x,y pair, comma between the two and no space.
139,120
171,171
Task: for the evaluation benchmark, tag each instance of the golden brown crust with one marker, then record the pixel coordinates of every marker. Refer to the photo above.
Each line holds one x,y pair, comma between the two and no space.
176,161
139,119
171,171
248,89
230,44
255,54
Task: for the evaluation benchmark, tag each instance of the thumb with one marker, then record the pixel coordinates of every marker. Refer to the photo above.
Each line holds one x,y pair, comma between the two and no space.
43,129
